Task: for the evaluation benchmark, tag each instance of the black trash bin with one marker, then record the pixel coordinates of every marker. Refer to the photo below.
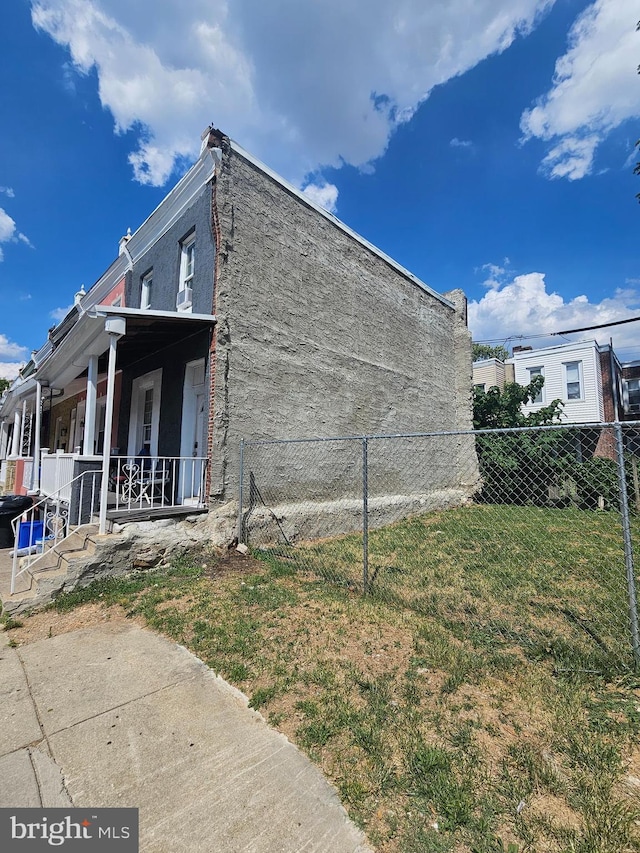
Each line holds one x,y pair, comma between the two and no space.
11,506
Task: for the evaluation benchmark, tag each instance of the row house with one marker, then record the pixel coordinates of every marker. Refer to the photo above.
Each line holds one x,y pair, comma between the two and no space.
239,309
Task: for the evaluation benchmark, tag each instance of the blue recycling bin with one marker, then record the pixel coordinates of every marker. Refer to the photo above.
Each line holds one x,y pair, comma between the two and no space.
30,533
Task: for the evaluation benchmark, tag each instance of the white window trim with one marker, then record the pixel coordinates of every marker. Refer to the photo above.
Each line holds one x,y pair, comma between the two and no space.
186,278
138,387
539,371
185,246
625,393
146,290
565,381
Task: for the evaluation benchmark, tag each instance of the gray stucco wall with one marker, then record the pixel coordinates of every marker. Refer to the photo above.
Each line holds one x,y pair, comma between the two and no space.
163,259
318,336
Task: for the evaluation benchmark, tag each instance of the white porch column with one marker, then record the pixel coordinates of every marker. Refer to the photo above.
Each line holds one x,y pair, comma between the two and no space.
17,431
115,327
35,467
4,434
90,407
24,422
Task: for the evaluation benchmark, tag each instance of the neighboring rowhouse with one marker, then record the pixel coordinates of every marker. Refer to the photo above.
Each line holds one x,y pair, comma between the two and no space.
586,376
491,373
592,383
238,309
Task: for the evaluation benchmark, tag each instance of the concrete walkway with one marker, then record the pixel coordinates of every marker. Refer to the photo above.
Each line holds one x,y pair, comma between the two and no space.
119,716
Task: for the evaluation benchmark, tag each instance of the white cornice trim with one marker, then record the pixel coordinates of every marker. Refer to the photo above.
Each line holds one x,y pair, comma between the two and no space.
121,311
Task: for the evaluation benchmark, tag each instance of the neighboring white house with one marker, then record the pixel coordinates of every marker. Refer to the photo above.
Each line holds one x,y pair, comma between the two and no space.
572,373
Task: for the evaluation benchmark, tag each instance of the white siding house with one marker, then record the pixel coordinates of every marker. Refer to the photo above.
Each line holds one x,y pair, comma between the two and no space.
572,373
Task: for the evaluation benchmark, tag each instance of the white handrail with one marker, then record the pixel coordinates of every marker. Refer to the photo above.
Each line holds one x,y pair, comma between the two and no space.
54,528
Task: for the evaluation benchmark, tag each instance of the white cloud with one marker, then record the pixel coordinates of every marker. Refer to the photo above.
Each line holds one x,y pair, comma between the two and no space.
8,233
523,307
460,143
595,89
10,369
59,314
12,357
7,191
301,84
324,194
7,227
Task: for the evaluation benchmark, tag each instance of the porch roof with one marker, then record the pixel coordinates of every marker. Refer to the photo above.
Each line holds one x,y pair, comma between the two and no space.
146,331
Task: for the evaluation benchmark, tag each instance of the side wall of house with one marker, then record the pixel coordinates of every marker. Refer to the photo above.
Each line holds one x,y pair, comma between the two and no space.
319,336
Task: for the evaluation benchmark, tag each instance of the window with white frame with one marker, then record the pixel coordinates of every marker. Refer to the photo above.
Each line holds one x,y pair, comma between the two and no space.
633,394
573,380
187,262
533,372
145,291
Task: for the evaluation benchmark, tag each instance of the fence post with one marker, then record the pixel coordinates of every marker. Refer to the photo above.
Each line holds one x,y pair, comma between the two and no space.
240,531
628,548
365,517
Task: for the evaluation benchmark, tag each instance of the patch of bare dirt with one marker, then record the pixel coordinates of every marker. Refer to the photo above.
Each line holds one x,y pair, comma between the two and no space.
50,623
228,561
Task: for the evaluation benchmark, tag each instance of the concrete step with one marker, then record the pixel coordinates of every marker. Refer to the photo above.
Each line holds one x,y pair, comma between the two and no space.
49,574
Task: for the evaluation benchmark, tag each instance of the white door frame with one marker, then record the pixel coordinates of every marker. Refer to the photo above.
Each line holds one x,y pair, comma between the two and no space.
140,385
193,399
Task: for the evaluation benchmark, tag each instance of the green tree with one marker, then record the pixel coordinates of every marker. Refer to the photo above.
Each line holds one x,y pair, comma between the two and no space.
516,468
482,351
501,409
4,384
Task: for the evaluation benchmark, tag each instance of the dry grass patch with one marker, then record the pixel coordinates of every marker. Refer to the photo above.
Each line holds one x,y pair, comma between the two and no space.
441,732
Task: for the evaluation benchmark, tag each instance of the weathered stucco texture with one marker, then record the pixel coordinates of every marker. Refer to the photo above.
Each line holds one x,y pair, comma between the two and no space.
319,336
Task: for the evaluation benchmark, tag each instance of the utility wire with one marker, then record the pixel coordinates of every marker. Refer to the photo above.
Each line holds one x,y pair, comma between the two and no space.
563,332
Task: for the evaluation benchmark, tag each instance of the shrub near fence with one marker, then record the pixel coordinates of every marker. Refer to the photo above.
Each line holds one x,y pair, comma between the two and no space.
513,536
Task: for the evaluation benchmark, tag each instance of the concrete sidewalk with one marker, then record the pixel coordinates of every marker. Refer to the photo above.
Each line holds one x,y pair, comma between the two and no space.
119,716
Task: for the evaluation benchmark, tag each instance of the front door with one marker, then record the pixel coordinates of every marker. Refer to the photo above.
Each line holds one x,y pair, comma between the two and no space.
193,440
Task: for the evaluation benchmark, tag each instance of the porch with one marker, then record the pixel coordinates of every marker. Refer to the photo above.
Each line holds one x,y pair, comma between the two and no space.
135,484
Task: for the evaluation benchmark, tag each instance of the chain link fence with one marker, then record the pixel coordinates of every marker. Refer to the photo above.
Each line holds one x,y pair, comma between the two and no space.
522,537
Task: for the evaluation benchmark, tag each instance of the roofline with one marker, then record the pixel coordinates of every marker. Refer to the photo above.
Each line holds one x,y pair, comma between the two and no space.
238,149
533,352
491,360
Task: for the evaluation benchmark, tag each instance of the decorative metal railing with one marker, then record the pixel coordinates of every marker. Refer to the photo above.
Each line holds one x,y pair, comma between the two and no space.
148,482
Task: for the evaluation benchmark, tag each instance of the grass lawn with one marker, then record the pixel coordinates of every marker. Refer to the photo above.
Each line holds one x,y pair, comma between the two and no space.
479,699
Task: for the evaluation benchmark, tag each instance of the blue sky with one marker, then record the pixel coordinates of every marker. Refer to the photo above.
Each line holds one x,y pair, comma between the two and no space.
486,146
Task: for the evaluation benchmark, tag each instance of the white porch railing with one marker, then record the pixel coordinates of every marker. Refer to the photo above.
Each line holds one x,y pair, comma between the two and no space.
56,474
154,482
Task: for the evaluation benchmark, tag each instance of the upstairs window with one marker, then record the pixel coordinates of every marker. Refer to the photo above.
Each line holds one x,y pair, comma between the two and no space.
573,380
145,291
187,262
533,372
187,268
633,394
